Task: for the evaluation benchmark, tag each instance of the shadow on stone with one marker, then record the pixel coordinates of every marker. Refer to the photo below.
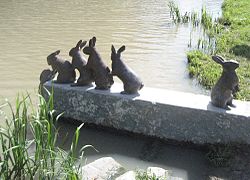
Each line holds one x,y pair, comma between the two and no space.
211,107
241,50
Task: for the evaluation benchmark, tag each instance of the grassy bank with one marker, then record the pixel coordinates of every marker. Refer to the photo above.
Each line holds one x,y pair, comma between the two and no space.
228,36
37,156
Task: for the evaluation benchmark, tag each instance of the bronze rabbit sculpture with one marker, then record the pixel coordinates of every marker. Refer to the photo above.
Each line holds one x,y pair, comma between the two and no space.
131,82
46,75
102,74
227,85
65,70
79,63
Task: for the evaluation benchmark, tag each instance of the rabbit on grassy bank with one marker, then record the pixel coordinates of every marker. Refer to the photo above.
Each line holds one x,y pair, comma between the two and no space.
131,82
227,85
65,70
101,72
79,63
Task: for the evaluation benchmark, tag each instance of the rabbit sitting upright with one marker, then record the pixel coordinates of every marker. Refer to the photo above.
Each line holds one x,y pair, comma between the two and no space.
46,75
79,63
131,82
102,75
227,85
66,72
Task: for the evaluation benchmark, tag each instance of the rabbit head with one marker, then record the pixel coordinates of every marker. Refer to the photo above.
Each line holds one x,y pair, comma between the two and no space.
229,65
78,47
110,77
116,55
88,49
52,57
46,75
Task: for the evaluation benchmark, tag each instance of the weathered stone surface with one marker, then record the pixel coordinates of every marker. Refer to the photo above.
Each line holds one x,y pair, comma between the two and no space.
102,169
157,172
157,112
161,174
130,175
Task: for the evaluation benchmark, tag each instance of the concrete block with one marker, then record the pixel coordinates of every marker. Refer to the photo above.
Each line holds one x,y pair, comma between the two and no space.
105,168
157,172
130,175
156,112
161,174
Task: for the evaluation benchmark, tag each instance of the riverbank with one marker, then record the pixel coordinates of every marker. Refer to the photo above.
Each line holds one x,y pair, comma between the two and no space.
232,42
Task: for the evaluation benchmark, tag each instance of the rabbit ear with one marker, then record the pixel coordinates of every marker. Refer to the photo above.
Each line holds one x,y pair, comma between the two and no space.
221,58
218,59
113,49
90,43
57,52
121,49
83,44
107,68
78,44
94,41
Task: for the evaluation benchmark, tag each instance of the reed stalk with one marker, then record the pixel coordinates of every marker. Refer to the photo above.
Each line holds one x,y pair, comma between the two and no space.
47,161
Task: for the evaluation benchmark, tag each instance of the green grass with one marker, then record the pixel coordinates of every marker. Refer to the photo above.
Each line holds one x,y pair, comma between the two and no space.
228,36
236,39
46,161
198,65
207,72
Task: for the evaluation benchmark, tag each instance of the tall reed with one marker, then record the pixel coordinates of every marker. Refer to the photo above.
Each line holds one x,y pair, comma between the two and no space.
46,161
200,23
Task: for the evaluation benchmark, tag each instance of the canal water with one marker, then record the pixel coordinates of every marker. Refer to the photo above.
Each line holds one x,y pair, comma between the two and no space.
136,152
155,49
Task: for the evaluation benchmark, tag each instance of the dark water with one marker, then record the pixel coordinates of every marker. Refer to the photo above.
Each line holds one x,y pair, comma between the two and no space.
137,152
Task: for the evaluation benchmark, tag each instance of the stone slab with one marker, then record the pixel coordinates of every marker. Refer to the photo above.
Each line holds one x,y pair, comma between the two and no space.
130,175
156,112
152,172
161,174
157,172
105,168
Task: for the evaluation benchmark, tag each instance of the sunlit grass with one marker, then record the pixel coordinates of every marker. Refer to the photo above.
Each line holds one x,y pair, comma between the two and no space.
46,161
228,36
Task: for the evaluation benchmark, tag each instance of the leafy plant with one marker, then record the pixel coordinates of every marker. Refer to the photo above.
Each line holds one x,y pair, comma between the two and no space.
228,36
46,161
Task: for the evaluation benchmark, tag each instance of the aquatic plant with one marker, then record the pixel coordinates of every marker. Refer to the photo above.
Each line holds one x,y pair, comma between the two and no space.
200,23
35,157
228,36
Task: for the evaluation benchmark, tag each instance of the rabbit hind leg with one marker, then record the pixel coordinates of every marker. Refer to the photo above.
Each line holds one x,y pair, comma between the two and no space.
230,102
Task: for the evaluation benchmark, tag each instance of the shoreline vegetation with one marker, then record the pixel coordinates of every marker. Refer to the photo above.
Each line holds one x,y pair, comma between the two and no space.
37,156
228,36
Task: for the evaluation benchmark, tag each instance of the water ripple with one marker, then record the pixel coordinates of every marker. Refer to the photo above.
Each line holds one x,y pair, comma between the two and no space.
32,29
